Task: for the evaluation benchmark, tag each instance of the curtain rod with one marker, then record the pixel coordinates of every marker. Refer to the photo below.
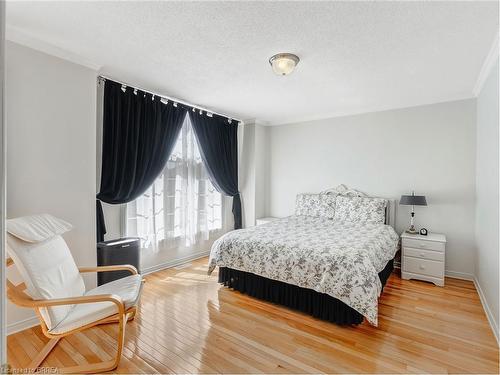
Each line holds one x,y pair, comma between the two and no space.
102,77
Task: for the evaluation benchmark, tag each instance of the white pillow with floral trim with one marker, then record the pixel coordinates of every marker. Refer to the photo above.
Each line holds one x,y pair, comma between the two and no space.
360,210
317,205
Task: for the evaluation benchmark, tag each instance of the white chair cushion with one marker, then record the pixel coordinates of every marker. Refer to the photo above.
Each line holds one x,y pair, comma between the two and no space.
128,288
37,228
49,271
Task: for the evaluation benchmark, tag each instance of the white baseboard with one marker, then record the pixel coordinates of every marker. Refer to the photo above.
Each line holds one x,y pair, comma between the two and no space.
22,325
459,275
487,310
174,262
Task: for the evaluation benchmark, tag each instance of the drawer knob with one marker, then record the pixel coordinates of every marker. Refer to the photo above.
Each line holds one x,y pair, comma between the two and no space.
422,245
422,255
422,267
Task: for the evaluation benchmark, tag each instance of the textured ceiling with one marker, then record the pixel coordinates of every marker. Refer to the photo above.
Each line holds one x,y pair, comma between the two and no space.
355,57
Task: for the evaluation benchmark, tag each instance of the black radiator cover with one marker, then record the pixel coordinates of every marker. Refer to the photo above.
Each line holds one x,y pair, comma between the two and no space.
114,252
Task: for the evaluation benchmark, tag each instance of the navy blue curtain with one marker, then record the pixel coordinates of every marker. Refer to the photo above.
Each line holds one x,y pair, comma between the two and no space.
139,133
218,143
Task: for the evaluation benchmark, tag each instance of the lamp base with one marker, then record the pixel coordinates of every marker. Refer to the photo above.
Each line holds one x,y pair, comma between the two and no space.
411,230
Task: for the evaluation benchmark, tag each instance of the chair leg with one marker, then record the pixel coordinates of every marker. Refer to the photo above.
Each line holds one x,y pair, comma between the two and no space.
89,368
37,361
94,368
121,337
102,366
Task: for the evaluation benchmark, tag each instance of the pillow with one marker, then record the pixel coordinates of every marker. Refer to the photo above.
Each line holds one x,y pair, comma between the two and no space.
37,228
360,210
307,205
317,205
327,205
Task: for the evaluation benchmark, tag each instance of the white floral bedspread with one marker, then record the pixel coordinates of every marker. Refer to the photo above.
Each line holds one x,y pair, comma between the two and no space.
339,259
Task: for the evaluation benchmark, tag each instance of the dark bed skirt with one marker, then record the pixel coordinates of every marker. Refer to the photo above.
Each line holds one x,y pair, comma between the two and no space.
317,304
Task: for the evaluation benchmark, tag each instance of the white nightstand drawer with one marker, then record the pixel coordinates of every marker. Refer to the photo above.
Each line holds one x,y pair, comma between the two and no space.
422,266
424,254
423,244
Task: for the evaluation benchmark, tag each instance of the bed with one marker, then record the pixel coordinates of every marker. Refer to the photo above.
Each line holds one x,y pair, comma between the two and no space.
329,264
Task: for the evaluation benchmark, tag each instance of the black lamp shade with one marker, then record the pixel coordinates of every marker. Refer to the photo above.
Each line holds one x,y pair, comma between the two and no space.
413,200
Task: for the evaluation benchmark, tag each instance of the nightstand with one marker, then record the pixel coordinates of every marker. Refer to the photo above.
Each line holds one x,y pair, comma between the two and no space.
265,220
422,257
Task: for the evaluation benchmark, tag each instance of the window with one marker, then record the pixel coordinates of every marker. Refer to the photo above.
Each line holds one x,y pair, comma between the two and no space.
182,207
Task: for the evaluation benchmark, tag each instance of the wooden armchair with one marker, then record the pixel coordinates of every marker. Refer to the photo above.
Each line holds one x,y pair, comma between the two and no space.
57,293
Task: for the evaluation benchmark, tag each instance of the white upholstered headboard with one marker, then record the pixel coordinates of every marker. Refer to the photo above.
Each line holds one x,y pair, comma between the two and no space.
390,210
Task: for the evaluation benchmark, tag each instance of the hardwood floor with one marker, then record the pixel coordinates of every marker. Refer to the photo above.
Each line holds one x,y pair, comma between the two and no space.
187,323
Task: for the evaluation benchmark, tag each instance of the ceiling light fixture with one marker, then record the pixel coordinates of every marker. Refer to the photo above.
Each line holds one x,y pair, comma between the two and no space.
284,63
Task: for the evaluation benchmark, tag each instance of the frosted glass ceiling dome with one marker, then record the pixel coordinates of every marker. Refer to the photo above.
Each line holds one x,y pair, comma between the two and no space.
284,63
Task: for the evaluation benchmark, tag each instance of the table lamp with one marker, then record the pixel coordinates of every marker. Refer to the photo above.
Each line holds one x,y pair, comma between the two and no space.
412,200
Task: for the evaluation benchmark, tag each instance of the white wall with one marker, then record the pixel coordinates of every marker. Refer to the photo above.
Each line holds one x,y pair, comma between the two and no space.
430,149
253,167
246,172
487,224
50,118
262,170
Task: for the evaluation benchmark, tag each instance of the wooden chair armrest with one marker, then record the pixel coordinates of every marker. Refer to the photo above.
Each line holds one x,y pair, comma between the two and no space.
80,300
121,267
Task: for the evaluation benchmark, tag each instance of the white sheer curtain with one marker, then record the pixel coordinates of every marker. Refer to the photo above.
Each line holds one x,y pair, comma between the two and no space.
182,207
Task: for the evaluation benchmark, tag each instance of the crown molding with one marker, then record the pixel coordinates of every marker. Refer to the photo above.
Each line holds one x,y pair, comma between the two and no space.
371,109
255,121
19,36
488,64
